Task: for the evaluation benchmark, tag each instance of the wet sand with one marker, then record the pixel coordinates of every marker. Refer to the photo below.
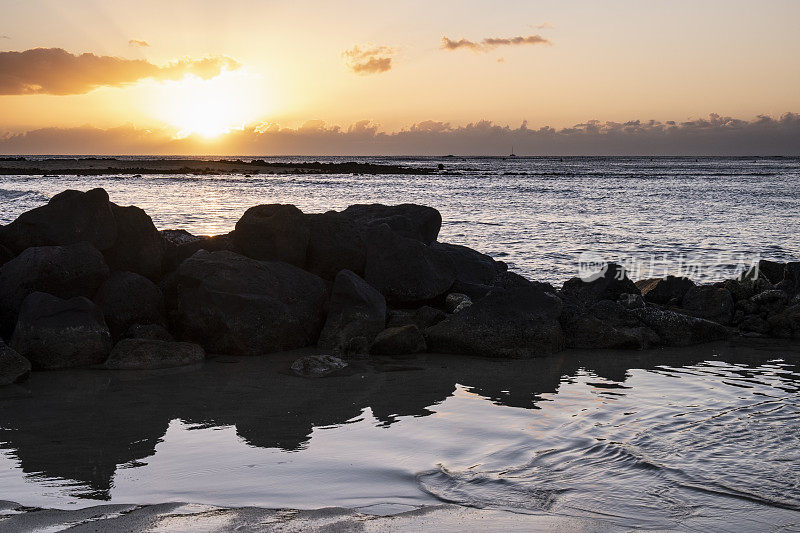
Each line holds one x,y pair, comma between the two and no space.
91,166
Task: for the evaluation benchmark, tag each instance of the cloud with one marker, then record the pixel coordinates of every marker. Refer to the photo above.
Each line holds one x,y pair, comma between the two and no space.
56,71
373,60
139,43
712,135
4,37
491,43
544,26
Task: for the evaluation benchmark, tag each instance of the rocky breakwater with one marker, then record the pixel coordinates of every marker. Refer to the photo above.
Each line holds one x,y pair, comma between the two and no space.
85,282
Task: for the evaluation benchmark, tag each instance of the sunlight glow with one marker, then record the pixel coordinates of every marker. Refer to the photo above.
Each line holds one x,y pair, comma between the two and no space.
208,108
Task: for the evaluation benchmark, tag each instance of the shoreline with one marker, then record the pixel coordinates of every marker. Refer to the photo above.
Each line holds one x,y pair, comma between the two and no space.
97,166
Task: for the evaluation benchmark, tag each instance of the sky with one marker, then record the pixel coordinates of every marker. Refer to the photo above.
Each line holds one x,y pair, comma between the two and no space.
265,77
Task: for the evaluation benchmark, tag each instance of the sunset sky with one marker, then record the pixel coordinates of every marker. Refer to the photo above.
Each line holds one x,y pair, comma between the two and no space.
191,76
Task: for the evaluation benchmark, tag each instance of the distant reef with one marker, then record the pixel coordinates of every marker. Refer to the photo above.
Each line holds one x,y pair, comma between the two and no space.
95,166
86,282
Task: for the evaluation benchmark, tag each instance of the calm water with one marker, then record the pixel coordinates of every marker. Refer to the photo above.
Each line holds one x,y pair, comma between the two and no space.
712,215
693,439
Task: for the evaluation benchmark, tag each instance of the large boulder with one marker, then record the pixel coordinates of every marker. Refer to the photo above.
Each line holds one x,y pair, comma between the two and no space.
180,245
6,255
127,298
68,218
56,333
709,302
745,287
155,332
355,309
605,324
677,329
335,243
235,305
141,354
771,270
406,270
786,324
471,266
63,271
608,284
139,246
403,340
413,221
273,232
518,318
791,278
13,367
669,290
423,317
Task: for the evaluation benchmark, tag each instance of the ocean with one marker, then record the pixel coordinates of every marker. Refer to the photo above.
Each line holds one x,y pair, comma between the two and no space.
708,218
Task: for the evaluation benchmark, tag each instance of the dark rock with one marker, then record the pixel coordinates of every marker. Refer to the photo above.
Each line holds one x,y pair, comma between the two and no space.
416,222
631,301
141,354
755,324
709,302
148,331
55,333
139,246
126,299
180,245
786,324
63,271
68,218
769,301
745,288
517,318
6,255
274,232
677,329
455,302
235,305
13,367
791,277
609,284
317,366
335,243
356,309
405,270
424,317
669,290
403,340
471,267
605,324
771,270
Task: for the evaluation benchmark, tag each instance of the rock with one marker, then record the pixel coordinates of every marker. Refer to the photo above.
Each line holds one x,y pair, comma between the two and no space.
317,366
518,318
235,305
677,329
791,277
273,232
455,302
709,302
413,221
424,317
770,301
180,245
605,324
771,270
68,218
126,299
609,284
669,290
786,324
356,309
745,288
471,267
403,340
335,243
56,333
405,270
755,324
139,246
13,367
631,301
141,354
6,255
148,331
63,271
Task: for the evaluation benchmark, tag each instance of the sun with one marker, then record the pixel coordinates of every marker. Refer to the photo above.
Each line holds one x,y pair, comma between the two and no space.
207,108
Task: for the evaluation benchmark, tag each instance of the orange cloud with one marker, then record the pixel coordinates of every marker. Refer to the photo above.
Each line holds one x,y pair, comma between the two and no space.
491,43
368,60
139,43
56,71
